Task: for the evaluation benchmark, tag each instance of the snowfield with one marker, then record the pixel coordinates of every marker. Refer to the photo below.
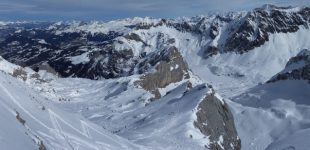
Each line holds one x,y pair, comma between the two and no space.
29,120
118,106
73,113
270,114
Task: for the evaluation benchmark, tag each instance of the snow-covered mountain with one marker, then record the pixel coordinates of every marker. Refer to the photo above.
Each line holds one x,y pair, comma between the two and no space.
171,111
297,68
231,81
114,49
281,105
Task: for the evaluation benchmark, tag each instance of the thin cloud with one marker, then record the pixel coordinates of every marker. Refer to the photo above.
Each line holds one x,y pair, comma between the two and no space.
115,9
6,7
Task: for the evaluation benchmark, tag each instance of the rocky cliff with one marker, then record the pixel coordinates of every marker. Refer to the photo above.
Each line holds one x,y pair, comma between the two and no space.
297,68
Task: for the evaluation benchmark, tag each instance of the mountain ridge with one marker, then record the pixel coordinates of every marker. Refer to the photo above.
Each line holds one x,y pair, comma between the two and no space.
100,45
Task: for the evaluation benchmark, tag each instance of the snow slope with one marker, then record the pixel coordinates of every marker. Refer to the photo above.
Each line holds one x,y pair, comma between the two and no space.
231,73
75,113
275,115
120,107
272,113
241,71
29,120
294,141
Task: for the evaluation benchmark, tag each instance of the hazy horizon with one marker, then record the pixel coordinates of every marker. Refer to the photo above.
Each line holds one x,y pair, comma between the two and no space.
87,10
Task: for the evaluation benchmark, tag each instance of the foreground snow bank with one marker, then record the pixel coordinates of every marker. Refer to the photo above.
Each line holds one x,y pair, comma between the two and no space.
32,121
271,115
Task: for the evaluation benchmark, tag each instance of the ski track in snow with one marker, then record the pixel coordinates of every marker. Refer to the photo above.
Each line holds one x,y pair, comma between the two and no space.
57,129
85,129
21,107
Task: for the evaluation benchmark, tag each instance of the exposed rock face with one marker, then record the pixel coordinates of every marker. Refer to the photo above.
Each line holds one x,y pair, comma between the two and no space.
253,30
210,51
302,57
169,68
297,68
215,120
20,73
74,54
244,32
47,68
134,37
42,146
296,74
20,119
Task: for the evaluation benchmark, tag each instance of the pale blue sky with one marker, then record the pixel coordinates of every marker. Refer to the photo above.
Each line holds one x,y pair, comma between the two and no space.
43,10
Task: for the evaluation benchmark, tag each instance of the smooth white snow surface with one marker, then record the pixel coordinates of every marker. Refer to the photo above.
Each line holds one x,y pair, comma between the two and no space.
120,107
231,74
56,128
83,58
73,113
42,41
272,113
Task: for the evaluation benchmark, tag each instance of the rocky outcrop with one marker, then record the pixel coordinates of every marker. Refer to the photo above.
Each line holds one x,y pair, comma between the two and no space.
256,26
210,51
295,74
244,32
42,146
297,68
215,120
169,66
302,57
20,119
47,68
20,73
135,37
